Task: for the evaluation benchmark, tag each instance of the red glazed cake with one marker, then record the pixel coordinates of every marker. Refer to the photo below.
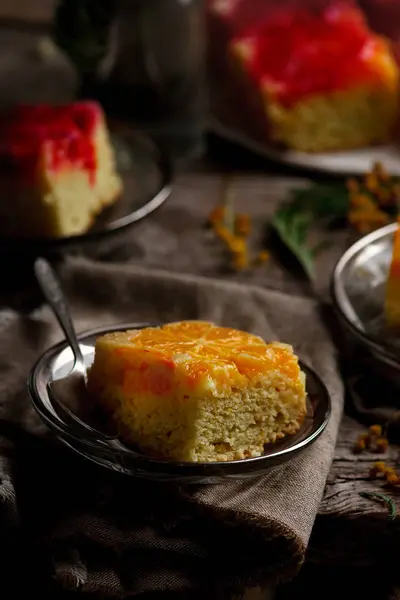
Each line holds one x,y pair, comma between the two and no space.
325,80
57,169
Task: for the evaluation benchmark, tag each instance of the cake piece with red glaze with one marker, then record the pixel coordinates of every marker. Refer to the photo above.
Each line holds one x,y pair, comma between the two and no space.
326,81
226,19
57,169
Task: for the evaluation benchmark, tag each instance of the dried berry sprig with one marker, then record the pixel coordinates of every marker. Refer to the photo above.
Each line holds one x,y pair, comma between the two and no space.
234,229
373,440
365,203
389,474
373,200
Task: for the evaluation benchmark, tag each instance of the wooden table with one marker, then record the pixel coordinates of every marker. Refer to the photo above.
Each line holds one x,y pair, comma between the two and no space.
26,11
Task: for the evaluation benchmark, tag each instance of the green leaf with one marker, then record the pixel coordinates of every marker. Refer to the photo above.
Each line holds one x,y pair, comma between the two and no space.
323,200
292,226
390,504
292,222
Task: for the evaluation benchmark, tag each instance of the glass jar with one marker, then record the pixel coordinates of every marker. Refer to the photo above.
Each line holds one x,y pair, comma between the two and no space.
152,72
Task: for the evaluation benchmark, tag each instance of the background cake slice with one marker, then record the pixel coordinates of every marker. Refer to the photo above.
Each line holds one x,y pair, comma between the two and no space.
192,391
57,169
327,82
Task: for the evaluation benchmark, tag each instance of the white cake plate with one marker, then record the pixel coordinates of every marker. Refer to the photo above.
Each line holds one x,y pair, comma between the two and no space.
352,162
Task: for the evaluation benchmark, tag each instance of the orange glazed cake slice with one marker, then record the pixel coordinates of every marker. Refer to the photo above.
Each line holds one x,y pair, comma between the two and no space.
57,169
392,300
192,391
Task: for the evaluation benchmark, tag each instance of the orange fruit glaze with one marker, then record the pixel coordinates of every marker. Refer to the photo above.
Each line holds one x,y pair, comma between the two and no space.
152,358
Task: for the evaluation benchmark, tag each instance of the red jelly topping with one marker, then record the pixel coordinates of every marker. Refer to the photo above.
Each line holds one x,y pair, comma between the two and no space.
62,136
299,53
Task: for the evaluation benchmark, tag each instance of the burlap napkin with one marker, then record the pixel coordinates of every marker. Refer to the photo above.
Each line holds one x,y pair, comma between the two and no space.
98,531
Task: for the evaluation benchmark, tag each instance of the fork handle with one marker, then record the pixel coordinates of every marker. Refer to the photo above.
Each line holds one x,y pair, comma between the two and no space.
52,291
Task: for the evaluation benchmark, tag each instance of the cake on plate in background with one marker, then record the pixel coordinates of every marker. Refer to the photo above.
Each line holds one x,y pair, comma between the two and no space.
310,80
57,170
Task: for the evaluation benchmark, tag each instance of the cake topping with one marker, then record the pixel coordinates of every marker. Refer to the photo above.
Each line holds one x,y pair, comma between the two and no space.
60,135
228,356
297,53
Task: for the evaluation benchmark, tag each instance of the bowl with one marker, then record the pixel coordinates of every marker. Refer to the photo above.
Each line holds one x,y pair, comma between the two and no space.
57,362
358,294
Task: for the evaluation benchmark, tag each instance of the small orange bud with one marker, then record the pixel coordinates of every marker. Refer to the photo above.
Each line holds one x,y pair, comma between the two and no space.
381,445
242,225
380,466
217,214
359,446
393,479
389,471
375,430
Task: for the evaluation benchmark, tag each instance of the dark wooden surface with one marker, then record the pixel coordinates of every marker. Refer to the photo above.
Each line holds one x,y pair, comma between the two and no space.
33,11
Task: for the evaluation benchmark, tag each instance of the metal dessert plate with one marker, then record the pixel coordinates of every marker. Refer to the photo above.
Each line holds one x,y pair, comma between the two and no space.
358,293
147,176
57,362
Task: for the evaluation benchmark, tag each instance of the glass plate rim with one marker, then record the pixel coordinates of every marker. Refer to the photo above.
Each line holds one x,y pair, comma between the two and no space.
339,296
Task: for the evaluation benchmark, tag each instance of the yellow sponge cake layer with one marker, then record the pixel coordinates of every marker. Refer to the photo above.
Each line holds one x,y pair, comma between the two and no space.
341,120
192,391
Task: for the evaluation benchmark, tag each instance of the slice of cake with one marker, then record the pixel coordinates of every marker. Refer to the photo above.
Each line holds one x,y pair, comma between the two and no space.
392,298
57,169
195,392
326,80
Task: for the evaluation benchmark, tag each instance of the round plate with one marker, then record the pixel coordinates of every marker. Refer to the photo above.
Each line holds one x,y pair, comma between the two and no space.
350,162
146,175
358,289
57,362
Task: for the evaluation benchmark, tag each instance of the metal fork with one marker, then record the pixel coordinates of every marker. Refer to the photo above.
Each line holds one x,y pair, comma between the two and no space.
72,388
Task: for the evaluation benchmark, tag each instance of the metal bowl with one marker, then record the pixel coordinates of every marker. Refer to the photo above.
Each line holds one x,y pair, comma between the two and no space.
58,361
358,294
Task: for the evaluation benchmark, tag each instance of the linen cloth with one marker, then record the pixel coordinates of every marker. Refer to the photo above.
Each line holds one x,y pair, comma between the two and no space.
97,531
